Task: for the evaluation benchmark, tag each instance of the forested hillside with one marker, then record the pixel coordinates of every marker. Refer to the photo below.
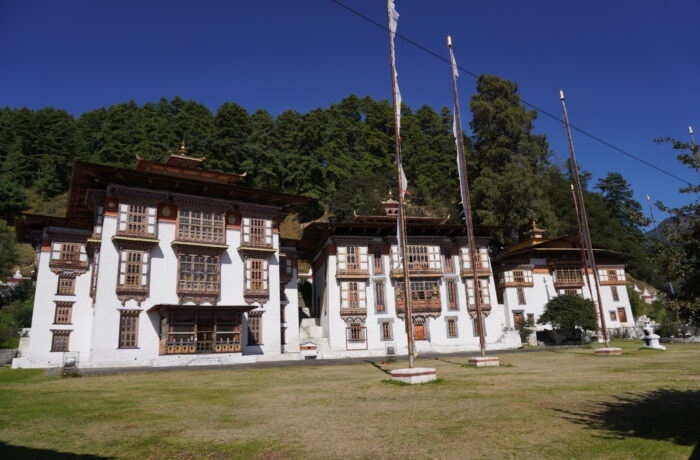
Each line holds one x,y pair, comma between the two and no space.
341,155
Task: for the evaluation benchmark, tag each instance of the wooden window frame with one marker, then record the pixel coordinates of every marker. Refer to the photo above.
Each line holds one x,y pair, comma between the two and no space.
613,315
615,294
70,252
254,329
66,284
452,329
452,301
128,329
211,273
378,261
475,331
449,261
484,291
356,333
60,341
379,297
521,295
256,232
386,331
63,313
201,226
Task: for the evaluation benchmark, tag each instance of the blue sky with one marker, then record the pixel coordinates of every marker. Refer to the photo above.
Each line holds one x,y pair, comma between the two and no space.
629,67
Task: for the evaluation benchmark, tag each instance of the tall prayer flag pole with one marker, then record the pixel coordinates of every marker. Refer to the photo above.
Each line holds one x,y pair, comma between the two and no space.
393,17
584,264
584,222
466,202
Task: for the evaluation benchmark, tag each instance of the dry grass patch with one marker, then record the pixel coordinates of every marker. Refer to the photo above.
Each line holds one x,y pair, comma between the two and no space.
563,404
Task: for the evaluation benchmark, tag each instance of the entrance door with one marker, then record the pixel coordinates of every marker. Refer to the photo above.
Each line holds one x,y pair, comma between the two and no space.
621,315
517,318
419,332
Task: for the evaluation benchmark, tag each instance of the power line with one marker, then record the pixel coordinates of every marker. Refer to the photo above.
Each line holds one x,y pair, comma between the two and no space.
533,106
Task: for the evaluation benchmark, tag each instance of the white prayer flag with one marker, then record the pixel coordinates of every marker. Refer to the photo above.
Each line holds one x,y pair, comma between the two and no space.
393,23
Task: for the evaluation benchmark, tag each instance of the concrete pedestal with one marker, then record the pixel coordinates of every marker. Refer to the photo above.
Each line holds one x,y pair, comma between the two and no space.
415,375
484,361
610,351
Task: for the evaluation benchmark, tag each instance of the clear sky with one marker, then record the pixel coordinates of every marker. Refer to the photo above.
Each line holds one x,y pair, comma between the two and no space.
630,68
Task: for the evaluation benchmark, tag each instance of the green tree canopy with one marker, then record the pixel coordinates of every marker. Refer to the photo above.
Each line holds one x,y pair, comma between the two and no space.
566,312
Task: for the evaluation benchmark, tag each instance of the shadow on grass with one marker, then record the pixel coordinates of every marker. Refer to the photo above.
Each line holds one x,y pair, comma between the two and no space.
663,415
18,452
374,364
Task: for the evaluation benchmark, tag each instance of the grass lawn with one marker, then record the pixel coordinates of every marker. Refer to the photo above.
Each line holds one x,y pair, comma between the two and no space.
565,403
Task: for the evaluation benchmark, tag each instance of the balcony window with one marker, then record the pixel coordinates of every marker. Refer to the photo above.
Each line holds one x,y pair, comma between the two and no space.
420,258
568,275
199,273
425,295
200,226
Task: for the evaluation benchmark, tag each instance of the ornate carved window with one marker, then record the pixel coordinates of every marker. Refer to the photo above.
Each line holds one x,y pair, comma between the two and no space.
452,327
352,295
521,296
568,276
128,328
64,313
257,232
613,275
136,220
425,295
483,292
451,286
199,273
66,283
60,340
68,256
256,275
353,260
200,226
482,262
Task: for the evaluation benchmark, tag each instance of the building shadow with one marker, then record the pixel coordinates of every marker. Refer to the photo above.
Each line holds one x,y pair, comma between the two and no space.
27,453
663,415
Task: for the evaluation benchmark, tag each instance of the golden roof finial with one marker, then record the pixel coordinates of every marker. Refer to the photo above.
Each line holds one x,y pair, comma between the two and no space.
183,149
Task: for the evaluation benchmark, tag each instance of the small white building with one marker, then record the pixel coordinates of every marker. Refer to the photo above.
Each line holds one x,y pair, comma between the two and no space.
358,306
168,264
532,272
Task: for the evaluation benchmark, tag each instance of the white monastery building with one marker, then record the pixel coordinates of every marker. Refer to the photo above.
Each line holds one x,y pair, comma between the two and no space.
169,264
530,273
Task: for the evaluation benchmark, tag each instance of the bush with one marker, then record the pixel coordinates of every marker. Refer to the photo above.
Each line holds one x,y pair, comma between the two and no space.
568,312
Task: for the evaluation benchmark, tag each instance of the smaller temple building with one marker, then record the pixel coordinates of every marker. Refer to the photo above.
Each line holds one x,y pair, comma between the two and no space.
358,307
532,272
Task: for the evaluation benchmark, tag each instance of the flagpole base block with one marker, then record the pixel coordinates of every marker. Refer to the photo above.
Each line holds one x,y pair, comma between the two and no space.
484,361
608,351
414,375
